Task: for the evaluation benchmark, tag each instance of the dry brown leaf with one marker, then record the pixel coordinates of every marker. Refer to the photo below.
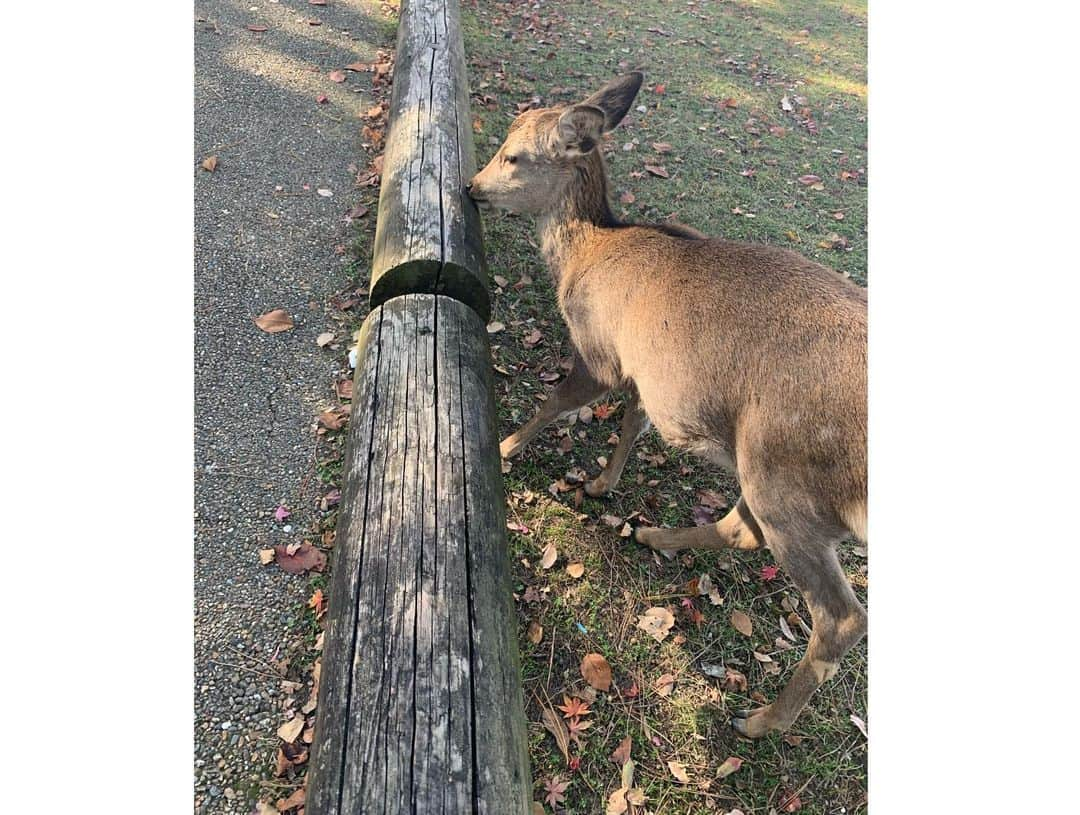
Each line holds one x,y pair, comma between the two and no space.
622,753
551,554
664,684
337,76
324,339
616,803
678,770
291,729
734,681
730,765
334,418
656,622
210,163
657,170
596,671
266,556
263,808
575,569
535,633
554,724
742,623
305,557
274,321
293,801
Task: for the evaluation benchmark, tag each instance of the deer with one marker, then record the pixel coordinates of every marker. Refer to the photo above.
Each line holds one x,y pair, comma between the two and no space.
749,356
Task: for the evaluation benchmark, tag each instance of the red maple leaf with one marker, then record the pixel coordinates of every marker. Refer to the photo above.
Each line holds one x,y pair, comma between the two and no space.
555,789
576,727
573,707
769,573
603,411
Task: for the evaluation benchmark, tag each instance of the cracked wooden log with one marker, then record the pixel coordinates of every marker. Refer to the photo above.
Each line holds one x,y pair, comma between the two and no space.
428,236
420,707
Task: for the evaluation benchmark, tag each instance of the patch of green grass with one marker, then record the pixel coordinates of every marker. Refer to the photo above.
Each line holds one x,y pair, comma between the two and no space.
727,163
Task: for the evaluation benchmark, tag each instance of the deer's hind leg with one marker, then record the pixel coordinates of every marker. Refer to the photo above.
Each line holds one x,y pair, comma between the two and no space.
736,530
839,622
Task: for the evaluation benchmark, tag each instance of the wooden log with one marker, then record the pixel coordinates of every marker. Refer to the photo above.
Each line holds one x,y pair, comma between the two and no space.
420,707
428,237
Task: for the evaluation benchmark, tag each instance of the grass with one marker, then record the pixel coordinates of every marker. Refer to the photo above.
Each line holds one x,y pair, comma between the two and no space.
724,68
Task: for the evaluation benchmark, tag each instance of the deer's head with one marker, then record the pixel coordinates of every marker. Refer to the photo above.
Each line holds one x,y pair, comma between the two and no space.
530,172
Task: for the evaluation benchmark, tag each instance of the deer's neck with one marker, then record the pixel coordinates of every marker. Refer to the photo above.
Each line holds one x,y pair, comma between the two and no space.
582,211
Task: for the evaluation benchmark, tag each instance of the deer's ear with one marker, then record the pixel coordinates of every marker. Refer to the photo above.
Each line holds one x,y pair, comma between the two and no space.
578,130
616,97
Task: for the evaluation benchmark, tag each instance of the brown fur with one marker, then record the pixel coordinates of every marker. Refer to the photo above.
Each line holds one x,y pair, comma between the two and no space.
750,356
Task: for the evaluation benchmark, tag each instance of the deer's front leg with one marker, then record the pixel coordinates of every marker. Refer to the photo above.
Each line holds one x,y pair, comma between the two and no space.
578,389
634,423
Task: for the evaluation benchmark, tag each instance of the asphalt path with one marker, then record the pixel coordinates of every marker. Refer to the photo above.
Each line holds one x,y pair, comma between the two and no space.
265,238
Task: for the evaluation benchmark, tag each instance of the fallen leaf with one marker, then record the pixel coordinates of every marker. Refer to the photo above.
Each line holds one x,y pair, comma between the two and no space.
730,765
859,723
596,671
359,211
256,28
657,170
656,622
322,99
664,684
305,558
535,633
337,76
495,327
790,803
293,801
703,516
533,338
573,707
291,729
274,322
627,198
281,513
325,193
555,789
622,753
554,724
334,418
678,770
742,623
551,554
575,570
210,163
661,147
611,520
317,602
266,556
617,804
809,179
576,727
324,339
359,66
769,573
785,105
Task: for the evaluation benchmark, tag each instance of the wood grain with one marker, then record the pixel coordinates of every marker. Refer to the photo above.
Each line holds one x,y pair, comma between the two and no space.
420,707
428,236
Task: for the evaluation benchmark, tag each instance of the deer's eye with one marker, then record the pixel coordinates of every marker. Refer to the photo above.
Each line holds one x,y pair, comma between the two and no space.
510,159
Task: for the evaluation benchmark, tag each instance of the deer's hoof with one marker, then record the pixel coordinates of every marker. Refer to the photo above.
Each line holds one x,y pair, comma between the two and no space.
597,488
753,724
